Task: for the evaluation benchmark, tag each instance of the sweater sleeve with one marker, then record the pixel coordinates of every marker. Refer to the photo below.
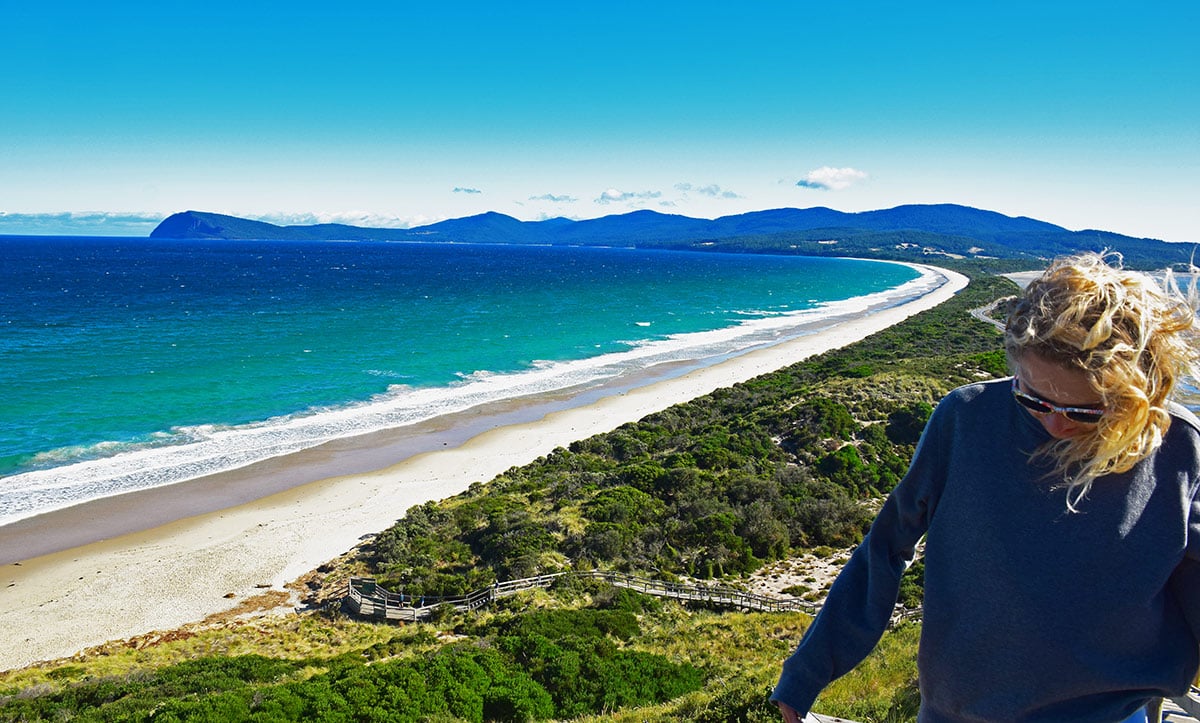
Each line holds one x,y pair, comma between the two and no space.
860,602
1185,582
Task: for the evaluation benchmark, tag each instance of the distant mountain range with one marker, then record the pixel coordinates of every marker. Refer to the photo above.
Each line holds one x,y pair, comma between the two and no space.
904,232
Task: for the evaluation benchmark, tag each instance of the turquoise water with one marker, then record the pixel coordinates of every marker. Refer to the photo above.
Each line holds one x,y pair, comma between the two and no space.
129,363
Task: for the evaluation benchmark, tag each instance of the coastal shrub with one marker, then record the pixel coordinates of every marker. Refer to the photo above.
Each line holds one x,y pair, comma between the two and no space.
994,363
904,426
819,419
836,521
679,460
845,468
604,541
517,539
556,624
912,585
625,446
590,675
570,588
626,600
423,586
763,530
623,505
718,549
642,476
887,461
794,481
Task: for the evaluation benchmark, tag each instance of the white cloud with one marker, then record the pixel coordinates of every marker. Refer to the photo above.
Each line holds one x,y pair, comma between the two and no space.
461,189
98,223
554,199
68,223
712,190
543,216
827,178
614,195
365,219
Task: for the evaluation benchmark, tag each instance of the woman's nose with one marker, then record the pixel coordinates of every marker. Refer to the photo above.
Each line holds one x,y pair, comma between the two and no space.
1059,426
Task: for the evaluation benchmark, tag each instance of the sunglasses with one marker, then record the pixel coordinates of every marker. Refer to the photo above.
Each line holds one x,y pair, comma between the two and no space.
1082,415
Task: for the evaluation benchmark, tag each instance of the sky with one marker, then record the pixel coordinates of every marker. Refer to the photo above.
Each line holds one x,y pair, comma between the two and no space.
115,115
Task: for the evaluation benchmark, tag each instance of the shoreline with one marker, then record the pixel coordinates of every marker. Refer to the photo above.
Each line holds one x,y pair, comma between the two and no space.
161,558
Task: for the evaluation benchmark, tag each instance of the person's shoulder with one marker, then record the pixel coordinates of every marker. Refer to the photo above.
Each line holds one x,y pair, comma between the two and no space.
978,400
979,392
1181,414
1181,442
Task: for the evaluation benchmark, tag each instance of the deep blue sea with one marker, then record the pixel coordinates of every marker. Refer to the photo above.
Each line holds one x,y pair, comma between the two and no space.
130,363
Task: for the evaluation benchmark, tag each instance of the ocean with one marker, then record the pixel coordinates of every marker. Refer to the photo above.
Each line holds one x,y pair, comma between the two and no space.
133,363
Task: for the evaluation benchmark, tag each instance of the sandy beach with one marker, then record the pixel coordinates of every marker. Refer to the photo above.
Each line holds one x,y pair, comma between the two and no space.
155,560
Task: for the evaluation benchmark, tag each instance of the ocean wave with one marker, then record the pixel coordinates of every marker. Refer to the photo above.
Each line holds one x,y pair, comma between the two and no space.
112,468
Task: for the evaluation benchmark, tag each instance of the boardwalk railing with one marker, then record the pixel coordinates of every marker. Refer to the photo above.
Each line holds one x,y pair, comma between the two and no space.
366,598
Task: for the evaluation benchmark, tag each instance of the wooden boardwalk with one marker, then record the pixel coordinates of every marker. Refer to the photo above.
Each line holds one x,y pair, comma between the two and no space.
1181,709
368,599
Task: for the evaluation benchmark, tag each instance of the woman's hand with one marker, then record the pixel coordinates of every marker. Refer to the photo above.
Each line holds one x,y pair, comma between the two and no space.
789,714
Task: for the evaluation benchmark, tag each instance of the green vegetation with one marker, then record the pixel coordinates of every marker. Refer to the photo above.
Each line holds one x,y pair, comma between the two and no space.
545,664
788,462
713,488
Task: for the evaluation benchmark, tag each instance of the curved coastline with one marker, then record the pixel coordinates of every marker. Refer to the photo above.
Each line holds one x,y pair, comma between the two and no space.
214,441
160,558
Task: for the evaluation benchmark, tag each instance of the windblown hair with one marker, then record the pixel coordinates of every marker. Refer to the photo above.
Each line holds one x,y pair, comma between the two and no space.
1130,335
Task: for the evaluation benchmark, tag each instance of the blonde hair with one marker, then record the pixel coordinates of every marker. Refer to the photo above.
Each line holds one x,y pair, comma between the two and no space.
1132,336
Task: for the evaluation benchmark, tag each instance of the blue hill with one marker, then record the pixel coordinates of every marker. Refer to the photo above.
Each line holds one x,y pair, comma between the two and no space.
900,232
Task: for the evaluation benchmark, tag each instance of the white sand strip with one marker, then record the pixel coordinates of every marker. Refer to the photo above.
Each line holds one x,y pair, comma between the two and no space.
56,605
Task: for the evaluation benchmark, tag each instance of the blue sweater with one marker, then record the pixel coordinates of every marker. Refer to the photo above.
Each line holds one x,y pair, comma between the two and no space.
1032,613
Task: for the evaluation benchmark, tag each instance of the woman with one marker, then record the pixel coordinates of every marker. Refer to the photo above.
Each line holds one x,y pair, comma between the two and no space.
1061,515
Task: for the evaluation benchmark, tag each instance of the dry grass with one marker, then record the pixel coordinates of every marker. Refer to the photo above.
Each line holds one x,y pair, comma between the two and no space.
291,636
867,396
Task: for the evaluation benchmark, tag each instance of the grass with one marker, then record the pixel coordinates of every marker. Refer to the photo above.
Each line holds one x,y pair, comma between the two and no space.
291,637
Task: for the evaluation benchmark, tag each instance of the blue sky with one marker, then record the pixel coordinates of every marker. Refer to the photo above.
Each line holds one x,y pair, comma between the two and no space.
115,115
